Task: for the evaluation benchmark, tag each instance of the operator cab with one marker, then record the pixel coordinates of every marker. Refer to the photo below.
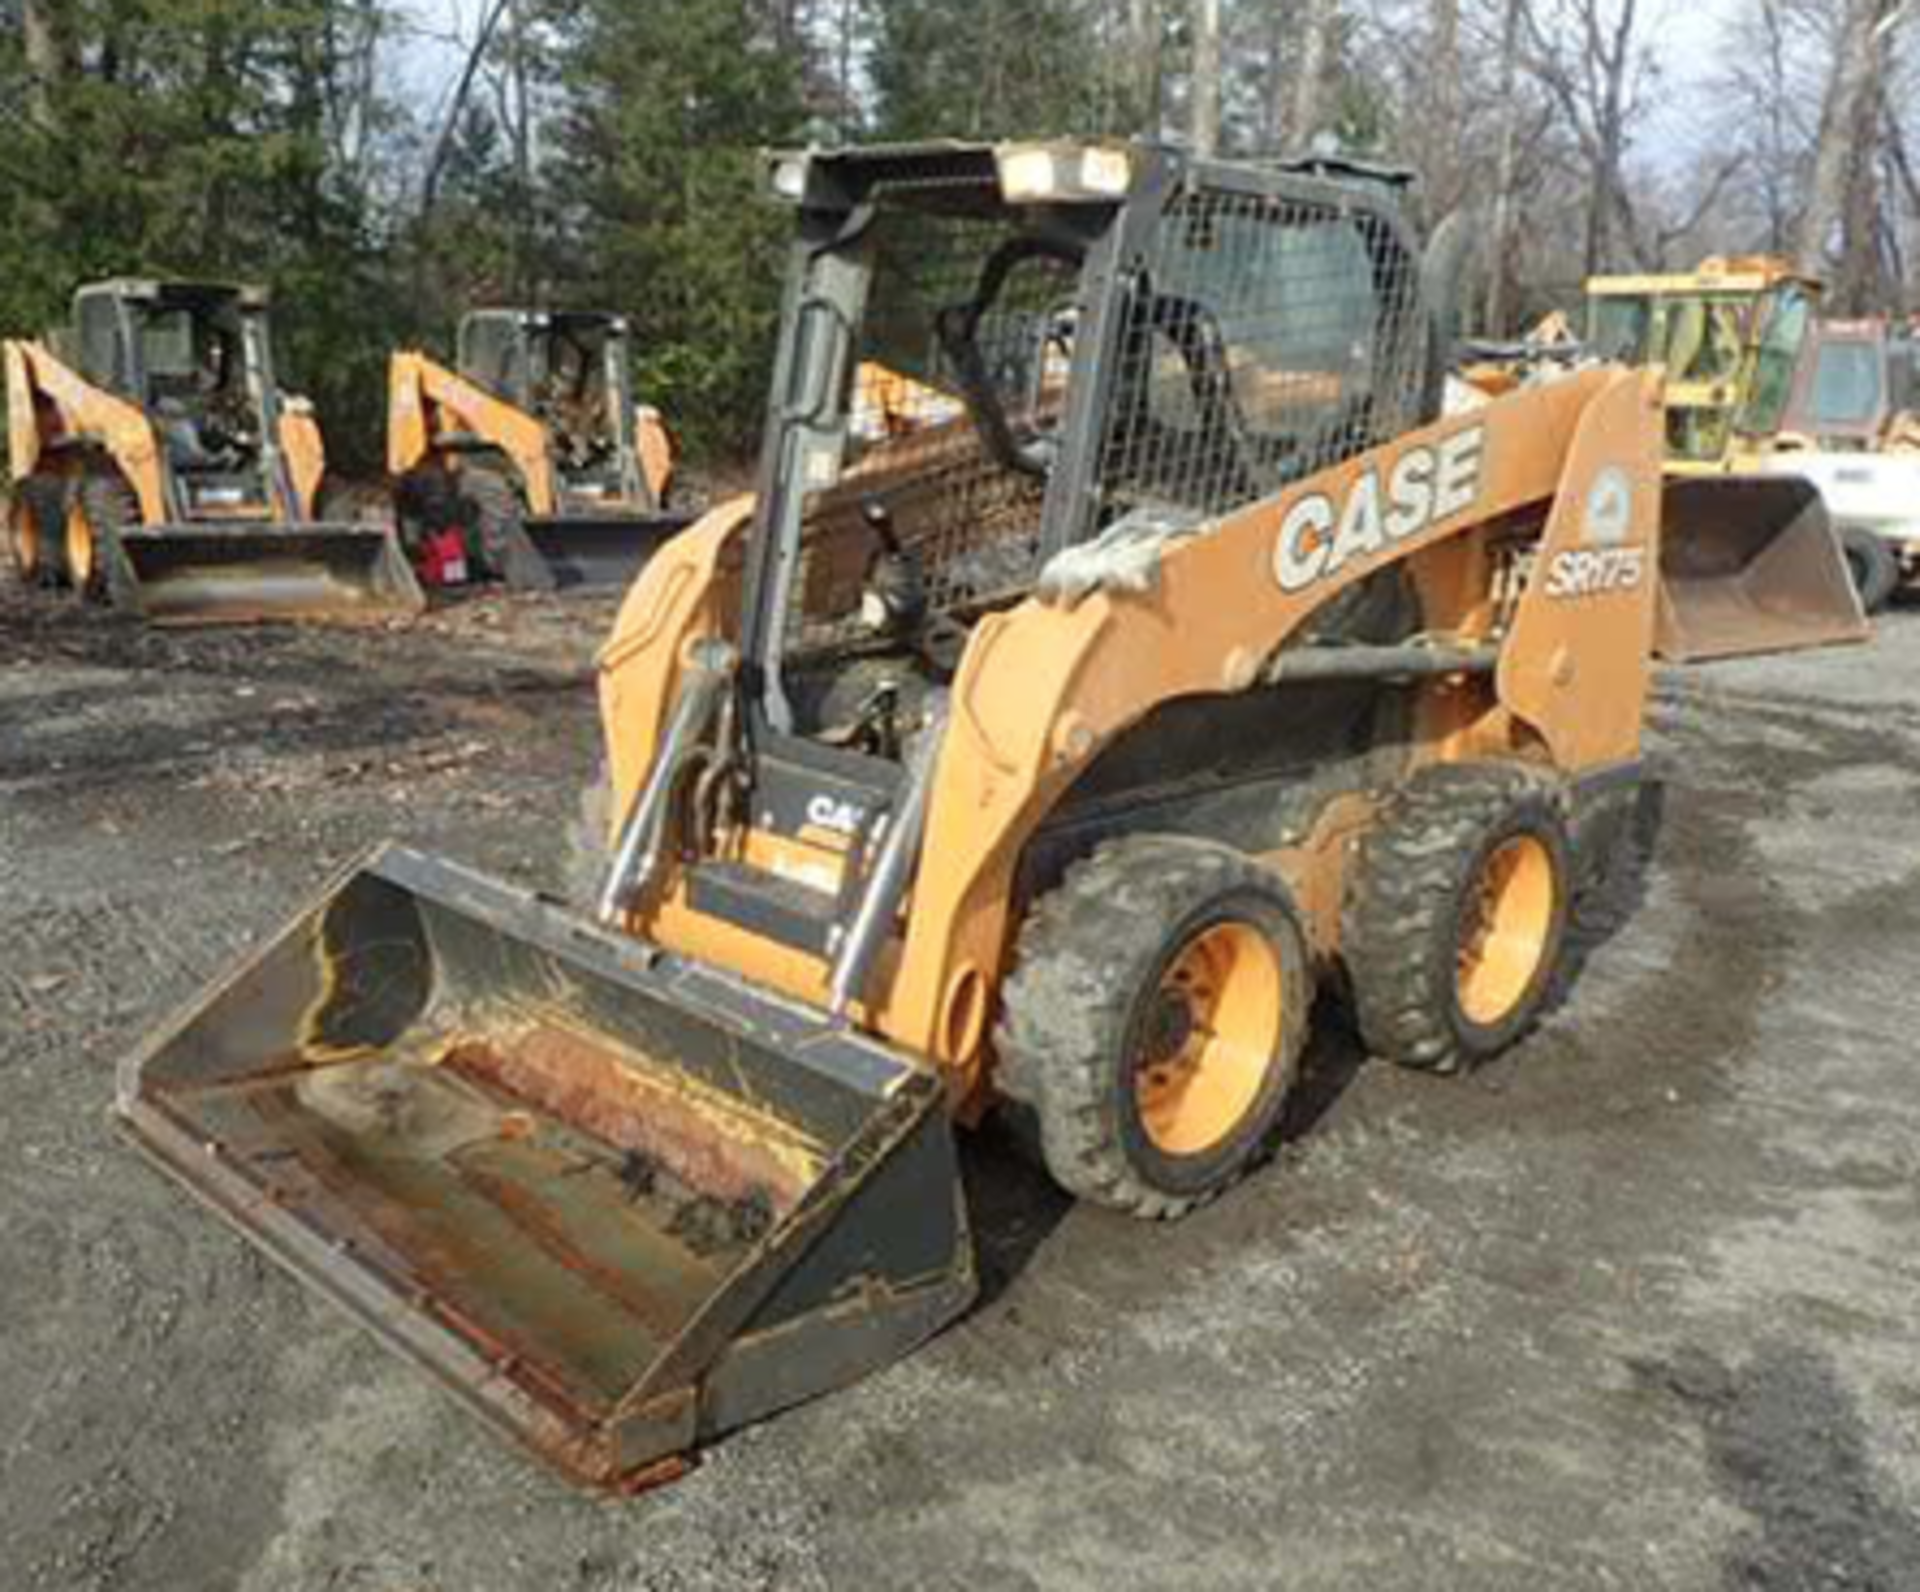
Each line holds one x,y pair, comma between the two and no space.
571,370
992,354
195,356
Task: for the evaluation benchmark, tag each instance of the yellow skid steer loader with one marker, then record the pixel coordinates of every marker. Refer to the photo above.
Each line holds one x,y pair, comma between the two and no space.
1043,756
535,448
156,465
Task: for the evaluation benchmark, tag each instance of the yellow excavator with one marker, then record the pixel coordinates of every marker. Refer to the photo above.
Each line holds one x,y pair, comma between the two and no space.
1752,560
156,465
533,449
1120,650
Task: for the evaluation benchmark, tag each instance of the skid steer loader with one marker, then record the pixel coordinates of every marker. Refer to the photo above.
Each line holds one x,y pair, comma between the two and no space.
1751,561
156,465
535,447
1046,757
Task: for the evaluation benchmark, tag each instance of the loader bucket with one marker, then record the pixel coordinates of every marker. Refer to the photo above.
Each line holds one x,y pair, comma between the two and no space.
618,1202
604,550
1750,564
217,574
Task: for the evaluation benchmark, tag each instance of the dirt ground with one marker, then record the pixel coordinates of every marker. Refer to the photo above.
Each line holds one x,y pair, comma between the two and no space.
1631,1308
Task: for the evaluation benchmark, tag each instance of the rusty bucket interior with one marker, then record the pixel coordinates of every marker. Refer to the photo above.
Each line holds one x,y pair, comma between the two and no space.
619,1203
199,574
1751,564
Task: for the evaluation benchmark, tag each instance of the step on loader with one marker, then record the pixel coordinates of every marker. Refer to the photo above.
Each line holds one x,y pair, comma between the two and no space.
1050,756
156,465
1753,561
534,449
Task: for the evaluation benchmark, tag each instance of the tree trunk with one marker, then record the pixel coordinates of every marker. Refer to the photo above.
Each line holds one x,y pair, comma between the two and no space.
1310,96
1442,155
1506,169
47,62
1143,46
1847,133
1205,130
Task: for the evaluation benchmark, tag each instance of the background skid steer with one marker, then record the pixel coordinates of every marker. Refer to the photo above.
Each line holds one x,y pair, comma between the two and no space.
1753,562
1044,756
535,448
157,465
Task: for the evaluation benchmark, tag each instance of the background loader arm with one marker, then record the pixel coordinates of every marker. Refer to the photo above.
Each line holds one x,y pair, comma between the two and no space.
427,403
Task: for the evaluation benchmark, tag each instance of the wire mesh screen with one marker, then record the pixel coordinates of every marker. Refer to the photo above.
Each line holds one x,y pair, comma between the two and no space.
1263,339
958,377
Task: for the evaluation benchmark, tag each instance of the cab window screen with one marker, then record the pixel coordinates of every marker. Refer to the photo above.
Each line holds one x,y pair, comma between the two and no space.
1263,340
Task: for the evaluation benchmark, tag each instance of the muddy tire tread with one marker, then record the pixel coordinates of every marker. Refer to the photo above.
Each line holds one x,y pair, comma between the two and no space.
1065,1006
1399,920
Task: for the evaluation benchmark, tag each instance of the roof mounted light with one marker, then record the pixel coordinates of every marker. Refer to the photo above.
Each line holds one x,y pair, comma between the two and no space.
1063,173
788,178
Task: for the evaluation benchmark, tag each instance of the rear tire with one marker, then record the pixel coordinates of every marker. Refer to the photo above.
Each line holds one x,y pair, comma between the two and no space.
1153,1024
1456,918
36,531
1873,566
500,544
103,507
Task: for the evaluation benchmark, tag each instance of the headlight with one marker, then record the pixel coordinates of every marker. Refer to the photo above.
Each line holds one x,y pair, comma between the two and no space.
1106,172
789,180
1028,174
1042,173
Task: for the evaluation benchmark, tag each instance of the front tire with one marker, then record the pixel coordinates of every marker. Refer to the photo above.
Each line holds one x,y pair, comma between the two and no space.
498,516
1153,1024
1456,919
1872,565
36,531
103,507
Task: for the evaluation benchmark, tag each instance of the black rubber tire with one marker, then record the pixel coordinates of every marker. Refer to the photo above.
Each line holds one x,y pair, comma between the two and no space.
44,498
1407,901
111,506
497,514
1873,566
1090,955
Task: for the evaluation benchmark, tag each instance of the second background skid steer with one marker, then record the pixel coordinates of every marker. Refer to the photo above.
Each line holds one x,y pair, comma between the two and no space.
1047,755
156,464
534,448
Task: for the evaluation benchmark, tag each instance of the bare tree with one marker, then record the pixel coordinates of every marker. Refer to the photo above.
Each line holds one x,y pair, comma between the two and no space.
1842,202
1144,53
1312,70
1590,57
1506,167
49,59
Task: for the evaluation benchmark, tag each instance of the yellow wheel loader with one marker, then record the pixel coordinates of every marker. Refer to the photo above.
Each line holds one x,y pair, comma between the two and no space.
156,465
534,449
1752,561
1050,756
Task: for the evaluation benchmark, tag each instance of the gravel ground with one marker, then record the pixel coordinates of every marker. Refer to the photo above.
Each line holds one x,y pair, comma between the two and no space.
1627,1309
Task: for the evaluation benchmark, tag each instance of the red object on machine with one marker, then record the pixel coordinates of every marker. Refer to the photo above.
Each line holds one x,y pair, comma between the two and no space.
443,559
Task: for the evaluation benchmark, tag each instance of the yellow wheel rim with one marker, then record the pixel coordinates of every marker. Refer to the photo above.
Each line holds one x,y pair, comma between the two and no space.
1209,1039
81,560
29,553
1503,936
